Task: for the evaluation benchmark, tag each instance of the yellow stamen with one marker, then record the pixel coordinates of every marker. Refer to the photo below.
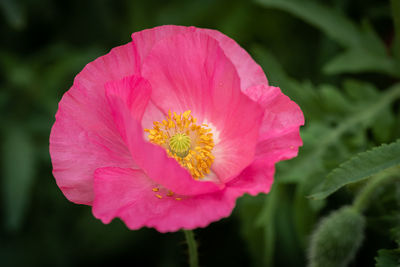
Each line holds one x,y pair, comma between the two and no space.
158,196
188,143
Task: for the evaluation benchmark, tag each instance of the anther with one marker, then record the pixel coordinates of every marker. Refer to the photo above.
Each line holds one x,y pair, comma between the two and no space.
189,144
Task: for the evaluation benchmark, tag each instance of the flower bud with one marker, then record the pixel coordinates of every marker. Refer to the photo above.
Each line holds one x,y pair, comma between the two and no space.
337,238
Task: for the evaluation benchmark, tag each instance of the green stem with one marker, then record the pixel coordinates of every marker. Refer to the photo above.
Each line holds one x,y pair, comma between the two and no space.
266,219
193,258
363,198
396,20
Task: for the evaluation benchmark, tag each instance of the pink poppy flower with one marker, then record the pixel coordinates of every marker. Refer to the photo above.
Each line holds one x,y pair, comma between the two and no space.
169,130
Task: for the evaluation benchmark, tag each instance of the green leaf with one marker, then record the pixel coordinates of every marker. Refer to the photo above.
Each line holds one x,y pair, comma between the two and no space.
18,172
396,19
372,41
334,24
388,258
383,126
304,214
333,100
360,60
253,233
395,234
360,167
286,236
355,88
266,219
365,51
319,138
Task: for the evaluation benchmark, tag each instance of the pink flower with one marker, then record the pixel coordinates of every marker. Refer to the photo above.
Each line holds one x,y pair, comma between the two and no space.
170,129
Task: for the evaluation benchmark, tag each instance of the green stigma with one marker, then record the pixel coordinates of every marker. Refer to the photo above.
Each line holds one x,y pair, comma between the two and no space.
180,144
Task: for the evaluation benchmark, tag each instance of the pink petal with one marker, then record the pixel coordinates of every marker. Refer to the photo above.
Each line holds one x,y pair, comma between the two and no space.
191,72
152,114
249,71
119,63
144,41
280,148
256,178
279,136
280,113
115,188
134,91
151,158
84,136
127,194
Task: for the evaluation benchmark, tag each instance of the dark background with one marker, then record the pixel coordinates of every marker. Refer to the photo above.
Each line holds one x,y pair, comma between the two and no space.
44,44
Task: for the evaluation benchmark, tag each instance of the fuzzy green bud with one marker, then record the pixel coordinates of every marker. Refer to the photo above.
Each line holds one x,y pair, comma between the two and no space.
337,238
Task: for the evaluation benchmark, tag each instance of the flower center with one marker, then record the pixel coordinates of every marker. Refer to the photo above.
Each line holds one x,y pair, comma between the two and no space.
179,144
185,141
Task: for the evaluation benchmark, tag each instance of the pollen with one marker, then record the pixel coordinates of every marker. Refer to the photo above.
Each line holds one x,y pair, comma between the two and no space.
187,142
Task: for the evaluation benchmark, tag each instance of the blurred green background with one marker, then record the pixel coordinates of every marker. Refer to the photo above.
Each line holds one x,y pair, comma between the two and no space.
337,59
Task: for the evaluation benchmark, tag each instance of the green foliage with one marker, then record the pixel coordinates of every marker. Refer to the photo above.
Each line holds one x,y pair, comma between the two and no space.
334,24
395,232
396,21
365,51
18,173
388,258
347,110
339,121
360,167
337,238
259,237
357,60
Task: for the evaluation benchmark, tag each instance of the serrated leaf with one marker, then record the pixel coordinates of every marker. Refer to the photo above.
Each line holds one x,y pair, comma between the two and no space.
18,172
334,24
388,258
360,167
